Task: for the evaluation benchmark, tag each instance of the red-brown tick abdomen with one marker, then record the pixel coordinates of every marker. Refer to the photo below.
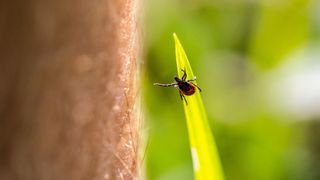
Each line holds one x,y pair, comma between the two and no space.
186,88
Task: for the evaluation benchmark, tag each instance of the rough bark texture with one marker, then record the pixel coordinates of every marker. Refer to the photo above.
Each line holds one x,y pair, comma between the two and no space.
68,89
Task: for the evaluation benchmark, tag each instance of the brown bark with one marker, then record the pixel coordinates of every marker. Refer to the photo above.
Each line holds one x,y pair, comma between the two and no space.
68,89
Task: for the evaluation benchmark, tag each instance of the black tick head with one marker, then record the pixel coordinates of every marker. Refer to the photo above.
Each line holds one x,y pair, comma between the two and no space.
177,79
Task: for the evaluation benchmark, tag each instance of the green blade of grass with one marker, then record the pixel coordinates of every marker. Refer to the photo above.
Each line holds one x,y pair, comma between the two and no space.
206,162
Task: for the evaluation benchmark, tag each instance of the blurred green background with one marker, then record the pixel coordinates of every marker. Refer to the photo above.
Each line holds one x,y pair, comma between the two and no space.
258,63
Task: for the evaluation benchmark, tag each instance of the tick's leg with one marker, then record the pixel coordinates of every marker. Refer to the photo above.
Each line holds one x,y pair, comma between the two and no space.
183,97
166,85
196,86
193,79
184,76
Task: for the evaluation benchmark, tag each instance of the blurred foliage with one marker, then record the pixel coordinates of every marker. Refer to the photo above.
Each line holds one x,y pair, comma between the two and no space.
279,29
235,47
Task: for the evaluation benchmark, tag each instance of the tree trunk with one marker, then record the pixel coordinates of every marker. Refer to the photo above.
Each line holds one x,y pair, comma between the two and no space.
68,89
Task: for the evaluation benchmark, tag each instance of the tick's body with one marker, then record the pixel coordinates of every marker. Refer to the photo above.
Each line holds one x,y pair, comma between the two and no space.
186,87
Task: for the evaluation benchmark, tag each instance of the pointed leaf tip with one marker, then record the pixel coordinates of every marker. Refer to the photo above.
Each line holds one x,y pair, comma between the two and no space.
174,34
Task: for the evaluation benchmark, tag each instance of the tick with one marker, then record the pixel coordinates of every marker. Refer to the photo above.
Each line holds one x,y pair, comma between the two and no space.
186,87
